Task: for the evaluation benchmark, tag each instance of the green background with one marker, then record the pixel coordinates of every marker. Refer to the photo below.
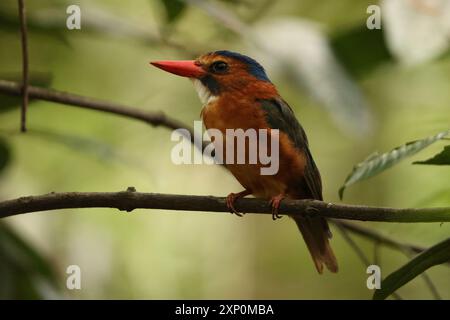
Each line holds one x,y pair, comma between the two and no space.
152,254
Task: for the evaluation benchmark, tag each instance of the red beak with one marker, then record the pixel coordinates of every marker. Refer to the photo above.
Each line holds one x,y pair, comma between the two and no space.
184,68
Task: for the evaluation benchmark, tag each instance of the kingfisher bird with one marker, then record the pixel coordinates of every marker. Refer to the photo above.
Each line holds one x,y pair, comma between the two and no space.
237,94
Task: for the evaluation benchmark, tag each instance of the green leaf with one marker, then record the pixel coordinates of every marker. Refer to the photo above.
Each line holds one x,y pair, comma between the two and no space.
173,9
25,273
442,158
438,254
376,163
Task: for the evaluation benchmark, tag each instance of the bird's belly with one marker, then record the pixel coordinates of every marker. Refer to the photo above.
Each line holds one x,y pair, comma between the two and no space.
288,166
261,186
291,162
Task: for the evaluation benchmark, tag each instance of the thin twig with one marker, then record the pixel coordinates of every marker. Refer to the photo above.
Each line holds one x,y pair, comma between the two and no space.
379,237
429,283
376,253
431,286
362,256
25,72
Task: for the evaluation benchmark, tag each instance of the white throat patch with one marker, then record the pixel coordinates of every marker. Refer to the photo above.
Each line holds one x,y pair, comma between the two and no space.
206,97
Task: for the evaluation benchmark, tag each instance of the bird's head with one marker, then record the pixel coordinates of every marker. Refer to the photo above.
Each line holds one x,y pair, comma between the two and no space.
220,72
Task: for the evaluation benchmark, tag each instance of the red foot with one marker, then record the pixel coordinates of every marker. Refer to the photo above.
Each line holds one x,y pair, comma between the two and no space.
275,203
232,197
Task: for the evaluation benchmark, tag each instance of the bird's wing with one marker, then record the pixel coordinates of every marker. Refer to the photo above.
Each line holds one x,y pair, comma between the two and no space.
279,115
315,230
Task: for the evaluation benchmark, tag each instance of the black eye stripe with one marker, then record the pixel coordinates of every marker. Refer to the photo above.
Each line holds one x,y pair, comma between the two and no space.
211,83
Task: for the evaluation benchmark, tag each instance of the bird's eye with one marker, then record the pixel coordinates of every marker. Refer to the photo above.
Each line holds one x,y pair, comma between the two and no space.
219,67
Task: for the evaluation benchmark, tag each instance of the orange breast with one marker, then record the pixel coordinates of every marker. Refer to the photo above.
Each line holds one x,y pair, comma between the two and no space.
239,113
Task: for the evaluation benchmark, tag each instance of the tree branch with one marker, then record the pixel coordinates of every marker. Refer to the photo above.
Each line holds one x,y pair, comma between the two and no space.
130,200
380,238
25,72
152,118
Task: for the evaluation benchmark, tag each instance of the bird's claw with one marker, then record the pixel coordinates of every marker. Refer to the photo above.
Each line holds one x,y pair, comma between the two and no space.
231,198
275,215
275,203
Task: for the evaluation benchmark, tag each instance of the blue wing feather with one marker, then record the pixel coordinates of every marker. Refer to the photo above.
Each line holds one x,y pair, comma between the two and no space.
279,115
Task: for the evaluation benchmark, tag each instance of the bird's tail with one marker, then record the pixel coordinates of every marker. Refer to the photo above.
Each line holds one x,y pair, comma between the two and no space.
316,233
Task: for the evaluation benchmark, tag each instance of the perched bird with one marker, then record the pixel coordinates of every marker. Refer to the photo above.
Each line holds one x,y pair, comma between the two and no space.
237,94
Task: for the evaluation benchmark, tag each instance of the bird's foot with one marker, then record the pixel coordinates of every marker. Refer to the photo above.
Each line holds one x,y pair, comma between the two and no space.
275,203
232,197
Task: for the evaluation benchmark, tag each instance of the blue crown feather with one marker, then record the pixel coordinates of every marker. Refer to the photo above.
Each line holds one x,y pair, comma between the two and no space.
254,68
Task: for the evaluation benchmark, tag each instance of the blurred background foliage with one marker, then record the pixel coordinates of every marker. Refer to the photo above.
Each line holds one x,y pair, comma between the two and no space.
355,91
